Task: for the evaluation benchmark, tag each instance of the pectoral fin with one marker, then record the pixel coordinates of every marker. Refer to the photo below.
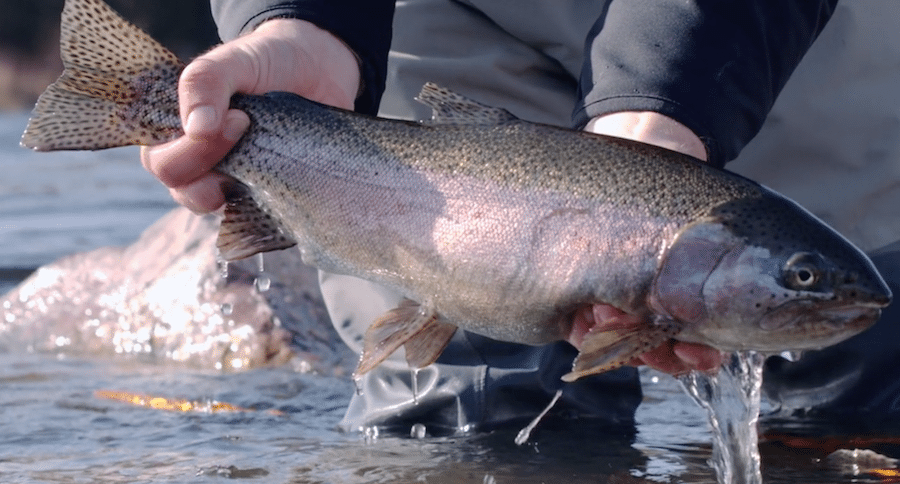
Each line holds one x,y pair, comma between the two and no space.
611,347
410,324
247,228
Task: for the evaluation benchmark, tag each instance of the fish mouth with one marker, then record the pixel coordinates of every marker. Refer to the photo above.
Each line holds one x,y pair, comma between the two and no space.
819,318
804,325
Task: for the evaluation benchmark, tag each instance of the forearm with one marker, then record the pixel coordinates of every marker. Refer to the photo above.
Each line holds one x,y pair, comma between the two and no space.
714,67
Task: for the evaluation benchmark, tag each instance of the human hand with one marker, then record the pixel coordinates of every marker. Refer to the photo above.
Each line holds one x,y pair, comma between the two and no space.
286,55
651,128
673,357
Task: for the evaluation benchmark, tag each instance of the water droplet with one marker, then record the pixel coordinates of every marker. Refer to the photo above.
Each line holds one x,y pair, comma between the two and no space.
357,384
263,282
227,309
792,355
418,431
223,268
414,382
260,262
302,366
370,434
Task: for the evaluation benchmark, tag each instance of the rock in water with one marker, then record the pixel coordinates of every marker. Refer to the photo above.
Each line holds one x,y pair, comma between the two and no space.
164,298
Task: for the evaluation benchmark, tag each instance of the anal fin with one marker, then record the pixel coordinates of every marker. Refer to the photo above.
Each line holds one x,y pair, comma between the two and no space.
610,348
408,324
247,228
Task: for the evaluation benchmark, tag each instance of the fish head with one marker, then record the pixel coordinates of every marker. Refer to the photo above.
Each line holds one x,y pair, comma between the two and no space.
764,274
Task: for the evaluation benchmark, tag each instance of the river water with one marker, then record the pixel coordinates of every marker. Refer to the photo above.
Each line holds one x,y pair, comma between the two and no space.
58,427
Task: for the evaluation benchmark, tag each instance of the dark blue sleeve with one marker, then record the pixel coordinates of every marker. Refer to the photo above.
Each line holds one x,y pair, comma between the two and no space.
364,25
715,66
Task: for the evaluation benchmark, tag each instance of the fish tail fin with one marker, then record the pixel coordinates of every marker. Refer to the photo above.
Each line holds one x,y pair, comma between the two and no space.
119,87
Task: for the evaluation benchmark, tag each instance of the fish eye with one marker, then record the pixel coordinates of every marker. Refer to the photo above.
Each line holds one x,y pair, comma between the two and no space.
802,272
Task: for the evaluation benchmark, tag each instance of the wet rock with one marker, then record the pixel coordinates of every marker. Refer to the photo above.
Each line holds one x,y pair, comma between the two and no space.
167,298
859,461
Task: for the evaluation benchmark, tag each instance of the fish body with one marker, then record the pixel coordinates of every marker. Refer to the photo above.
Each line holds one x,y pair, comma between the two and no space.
484,221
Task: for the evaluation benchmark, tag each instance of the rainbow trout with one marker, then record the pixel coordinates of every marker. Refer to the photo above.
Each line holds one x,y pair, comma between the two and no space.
483,221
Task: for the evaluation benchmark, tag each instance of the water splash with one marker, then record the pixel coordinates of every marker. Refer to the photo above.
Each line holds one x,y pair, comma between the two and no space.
732,401
370,434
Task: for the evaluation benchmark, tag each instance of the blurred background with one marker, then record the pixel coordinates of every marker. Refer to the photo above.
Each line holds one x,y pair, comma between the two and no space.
55,204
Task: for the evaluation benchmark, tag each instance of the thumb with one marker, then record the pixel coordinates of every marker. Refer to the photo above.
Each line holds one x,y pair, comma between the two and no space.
206,86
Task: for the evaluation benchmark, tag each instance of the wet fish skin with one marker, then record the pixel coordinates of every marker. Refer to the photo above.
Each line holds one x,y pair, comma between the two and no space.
484,221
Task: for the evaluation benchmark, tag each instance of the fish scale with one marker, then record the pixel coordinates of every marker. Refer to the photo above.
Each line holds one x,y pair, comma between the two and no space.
483,221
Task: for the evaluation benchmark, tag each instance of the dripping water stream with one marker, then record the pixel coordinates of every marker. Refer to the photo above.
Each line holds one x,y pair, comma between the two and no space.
731,399
414,384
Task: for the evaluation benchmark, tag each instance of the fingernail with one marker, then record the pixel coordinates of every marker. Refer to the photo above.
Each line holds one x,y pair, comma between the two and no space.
185,201
202,120
235,126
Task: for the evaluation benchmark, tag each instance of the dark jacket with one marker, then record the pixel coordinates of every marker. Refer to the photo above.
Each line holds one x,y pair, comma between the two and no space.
716,67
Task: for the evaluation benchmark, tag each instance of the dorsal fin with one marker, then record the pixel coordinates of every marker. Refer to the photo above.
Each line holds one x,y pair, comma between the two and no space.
449,107
247,229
